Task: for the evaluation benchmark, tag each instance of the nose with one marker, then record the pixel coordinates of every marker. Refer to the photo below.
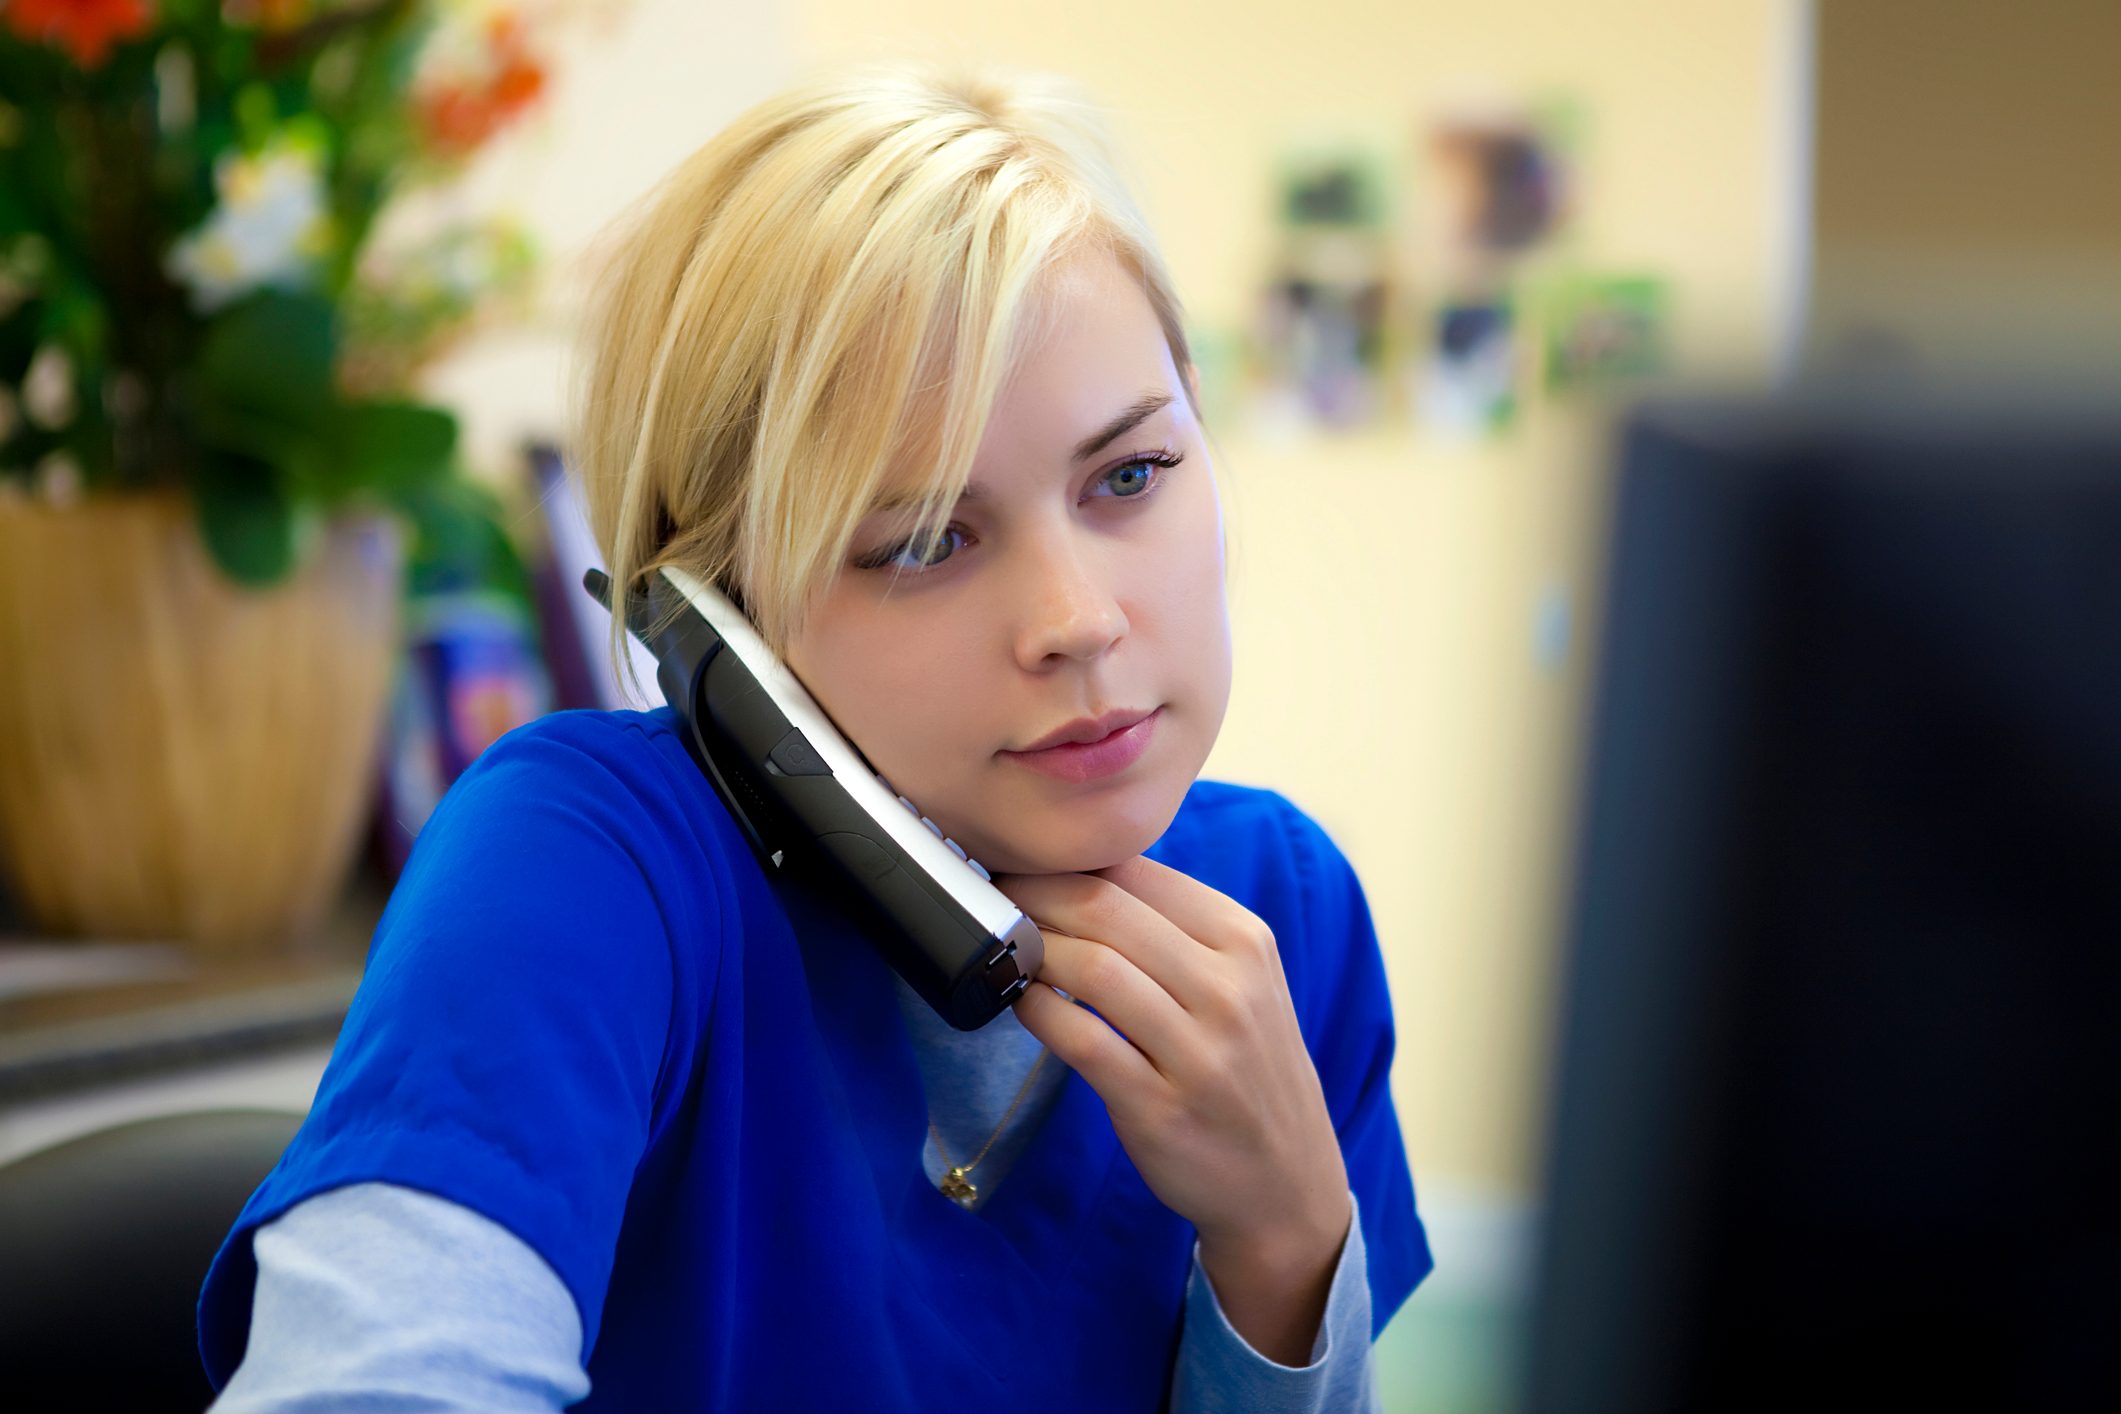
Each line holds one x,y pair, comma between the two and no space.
1073,611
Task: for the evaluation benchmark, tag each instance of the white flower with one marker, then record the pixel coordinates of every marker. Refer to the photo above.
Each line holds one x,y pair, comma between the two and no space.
270,227
48,388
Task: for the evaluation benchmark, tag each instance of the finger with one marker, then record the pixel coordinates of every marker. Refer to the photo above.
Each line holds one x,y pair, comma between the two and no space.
1085,906
1208,916
1128,1000
1120,1074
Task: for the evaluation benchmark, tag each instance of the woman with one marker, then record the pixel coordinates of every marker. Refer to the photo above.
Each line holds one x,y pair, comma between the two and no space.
619,1115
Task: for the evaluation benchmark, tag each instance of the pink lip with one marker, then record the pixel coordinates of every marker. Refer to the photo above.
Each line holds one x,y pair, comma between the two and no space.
1092,760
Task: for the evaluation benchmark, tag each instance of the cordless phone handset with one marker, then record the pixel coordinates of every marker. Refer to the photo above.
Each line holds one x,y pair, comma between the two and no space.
808,802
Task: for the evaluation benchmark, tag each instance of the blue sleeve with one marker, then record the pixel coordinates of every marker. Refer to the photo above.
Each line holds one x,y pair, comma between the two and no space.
1218,1371
1337,977
506,1046
394,1300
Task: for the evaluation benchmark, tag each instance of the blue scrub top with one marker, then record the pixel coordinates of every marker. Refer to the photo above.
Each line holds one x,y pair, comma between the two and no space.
592,1015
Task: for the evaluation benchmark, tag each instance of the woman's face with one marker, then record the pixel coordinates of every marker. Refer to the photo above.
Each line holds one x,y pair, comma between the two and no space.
1078,578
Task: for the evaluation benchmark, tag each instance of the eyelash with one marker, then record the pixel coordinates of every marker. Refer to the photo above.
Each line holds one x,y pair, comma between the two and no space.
1163,458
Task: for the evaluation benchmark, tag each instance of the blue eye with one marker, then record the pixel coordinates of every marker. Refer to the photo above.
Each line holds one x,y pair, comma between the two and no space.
1133,475
887,559
1141,479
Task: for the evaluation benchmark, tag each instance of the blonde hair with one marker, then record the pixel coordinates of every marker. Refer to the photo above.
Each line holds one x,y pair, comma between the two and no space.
836,284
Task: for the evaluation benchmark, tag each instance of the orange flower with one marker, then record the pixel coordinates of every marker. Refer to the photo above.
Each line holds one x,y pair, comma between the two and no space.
457,118
85,29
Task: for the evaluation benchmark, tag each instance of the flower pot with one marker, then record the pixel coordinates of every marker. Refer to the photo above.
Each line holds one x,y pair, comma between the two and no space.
180,757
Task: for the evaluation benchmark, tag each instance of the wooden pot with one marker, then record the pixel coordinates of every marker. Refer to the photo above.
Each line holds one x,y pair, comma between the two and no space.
182,758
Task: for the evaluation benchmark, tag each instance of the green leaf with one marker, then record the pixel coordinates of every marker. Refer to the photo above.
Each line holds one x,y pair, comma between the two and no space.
273,354
256,114
246,517
461,541
391,447
254,435
77,319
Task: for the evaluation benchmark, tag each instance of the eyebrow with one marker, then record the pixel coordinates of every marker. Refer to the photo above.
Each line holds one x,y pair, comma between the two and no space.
1129,418
1136,413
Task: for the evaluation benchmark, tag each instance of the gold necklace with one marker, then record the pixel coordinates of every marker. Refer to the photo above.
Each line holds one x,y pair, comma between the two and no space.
955,1185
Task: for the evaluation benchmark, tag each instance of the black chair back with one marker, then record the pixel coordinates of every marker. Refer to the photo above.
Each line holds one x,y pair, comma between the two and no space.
104,1241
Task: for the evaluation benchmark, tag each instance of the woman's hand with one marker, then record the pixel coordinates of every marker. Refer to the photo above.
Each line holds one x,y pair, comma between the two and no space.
1205,1074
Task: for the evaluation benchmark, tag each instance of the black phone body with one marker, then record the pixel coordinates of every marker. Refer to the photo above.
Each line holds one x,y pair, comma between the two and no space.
810,804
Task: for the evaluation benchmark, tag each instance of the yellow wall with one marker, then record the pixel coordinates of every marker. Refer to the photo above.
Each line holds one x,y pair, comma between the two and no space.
1680,96
1385,589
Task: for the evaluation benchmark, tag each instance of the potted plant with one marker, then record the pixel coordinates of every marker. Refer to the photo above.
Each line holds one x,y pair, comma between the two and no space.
211,446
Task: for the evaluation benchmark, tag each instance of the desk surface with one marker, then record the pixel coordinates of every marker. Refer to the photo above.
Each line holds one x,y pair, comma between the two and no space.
76,1014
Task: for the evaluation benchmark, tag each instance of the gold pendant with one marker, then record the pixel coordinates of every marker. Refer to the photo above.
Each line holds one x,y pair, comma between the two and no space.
958,1189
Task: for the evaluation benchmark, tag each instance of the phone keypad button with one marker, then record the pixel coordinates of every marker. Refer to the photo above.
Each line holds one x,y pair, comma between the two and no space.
933,828
977,869
956,848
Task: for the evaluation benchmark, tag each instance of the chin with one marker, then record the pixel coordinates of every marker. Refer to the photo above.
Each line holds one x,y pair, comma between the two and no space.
1093,838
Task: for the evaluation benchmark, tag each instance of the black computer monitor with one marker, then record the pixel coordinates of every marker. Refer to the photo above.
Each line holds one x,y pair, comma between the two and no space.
1838,1064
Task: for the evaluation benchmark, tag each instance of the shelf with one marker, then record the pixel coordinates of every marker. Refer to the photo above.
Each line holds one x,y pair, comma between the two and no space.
78,1014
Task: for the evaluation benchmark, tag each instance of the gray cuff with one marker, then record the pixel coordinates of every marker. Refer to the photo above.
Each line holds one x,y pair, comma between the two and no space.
1220,1373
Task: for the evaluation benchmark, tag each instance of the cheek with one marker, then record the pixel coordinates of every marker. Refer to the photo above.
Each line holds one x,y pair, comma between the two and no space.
1191,585
1194,636
906,707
